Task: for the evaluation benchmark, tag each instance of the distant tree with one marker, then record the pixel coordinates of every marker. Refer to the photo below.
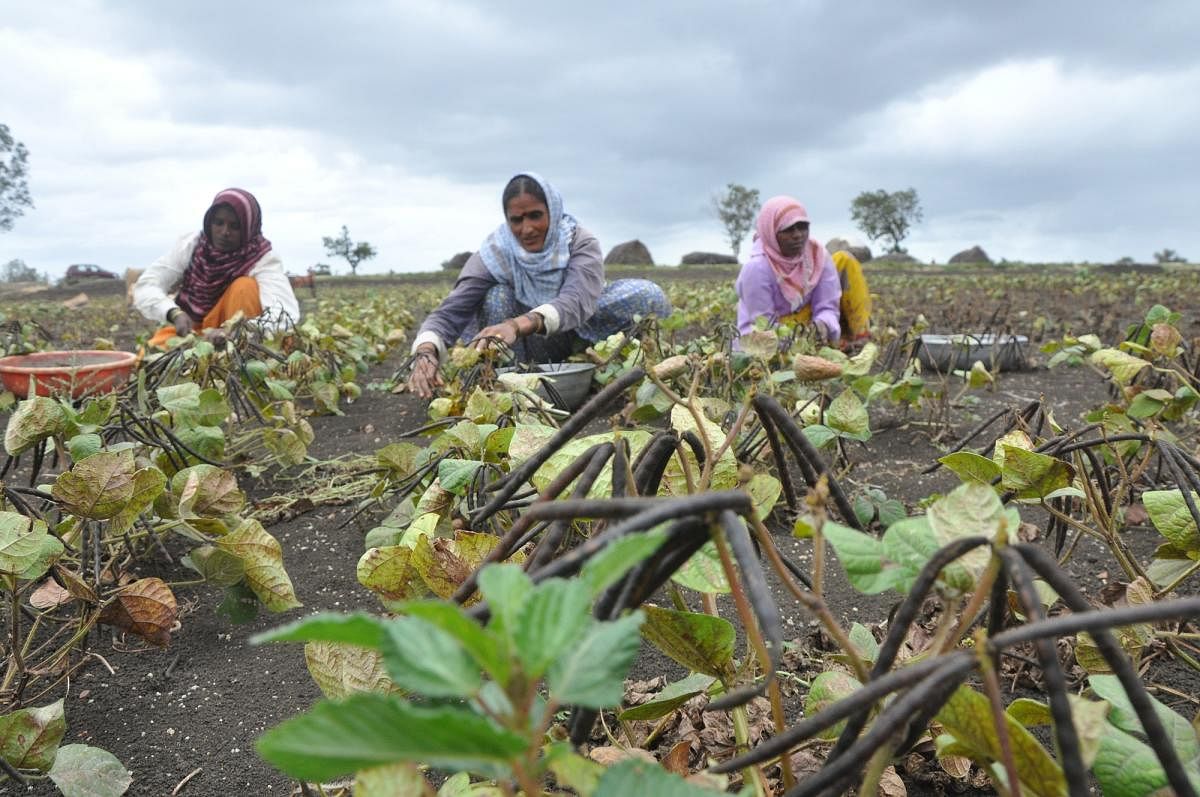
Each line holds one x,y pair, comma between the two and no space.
1126,261
887,215
14,186
354,253
15,270
1169,256
737,208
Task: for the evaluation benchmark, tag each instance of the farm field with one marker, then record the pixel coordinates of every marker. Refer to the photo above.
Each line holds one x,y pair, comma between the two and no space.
149,537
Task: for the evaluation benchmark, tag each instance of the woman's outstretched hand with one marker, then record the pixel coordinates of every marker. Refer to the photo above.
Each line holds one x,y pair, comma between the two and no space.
426,375
505,331
183,324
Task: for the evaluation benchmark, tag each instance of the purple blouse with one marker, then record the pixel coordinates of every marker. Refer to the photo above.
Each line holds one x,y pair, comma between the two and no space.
759,295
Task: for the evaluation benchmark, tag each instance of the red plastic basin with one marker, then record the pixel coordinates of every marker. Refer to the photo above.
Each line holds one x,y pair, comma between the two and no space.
78,373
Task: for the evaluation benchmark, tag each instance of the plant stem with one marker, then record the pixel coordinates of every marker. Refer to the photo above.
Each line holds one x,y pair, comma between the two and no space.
991,684
741,737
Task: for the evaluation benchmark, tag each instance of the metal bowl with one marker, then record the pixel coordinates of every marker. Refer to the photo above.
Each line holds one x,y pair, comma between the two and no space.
569,382
960,352
75,373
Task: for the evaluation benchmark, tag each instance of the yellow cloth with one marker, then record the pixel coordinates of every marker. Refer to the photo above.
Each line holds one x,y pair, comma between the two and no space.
856,299
855,305
241,296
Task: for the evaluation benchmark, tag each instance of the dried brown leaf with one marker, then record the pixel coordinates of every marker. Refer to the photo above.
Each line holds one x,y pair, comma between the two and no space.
49,595
145,608
677,758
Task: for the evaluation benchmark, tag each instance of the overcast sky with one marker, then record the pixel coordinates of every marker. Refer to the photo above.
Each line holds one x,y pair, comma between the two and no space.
1041,131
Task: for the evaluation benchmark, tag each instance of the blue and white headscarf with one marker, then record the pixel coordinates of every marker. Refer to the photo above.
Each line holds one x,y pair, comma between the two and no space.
535,277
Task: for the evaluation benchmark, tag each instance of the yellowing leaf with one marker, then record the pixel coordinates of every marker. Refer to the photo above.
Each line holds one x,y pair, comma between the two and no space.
263,560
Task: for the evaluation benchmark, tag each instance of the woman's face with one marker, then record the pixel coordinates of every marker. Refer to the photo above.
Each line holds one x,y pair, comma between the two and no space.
225,231
529,220
792,239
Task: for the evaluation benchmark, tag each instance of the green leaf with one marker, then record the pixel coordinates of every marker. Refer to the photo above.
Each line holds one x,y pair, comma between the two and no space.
1169,514
700,642
357,628
819,435
262,557
971,467
967,718
847,415
505,587
33,421
862,557
238,604
83,771
967,511
82,446
670,698
910,544
29,737
207,441
368,730
826,689
27,549
865,642
592,674
1033,475
483,647
634,776
97,487
423,658
549,623
1180,732
764,490
615,559
1088,717
455,475
724,472
216,566
703,571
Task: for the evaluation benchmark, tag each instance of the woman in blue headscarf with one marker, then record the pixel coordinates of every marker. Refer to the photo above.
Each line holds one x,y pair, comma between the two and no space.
537,284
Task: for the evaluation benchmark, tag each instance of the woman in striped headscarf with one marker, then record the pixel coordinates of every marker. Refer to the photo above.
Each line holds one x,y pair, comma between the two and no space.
225,268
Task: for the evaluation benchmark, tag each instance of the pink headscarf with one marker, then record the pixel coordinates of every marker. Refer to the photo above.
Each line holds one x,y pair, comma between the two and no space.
796,275
211,270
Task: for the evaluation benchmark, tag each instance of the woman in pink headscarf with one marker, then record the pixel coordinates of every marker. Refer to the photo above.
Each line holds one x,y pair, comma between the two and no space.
225,268
789,277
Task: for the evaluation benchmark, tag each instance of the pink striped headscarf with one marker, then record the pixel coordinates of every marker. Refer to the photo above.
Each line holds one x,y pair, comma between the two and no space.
796,275
211,270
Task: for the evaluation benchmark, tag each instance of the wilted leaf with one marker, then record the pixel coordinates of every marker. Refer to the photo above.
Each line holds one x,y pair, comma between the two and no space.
828,688
29,737
340,670
967,718
34,420
391,780
49,595
145,608
216,566
700,642
847,415
1033,475
98,487
83,771
445,564
263,559
971,467
148,484
967,511
27,549
1124,367
207,491
388,572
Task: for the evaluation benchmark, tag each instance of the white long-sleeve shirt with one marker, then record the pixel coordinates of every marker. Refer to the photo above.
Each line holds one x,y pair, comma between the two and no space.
166,274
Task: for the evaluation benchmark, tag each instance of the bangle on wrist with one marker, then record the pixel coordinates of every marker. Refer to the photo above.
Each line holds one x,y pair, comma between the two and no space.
539,323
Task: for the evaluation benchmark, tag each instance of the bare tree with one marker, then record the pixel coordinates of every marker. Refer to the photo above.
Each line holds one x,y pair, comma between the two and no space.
1169,256
737,209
